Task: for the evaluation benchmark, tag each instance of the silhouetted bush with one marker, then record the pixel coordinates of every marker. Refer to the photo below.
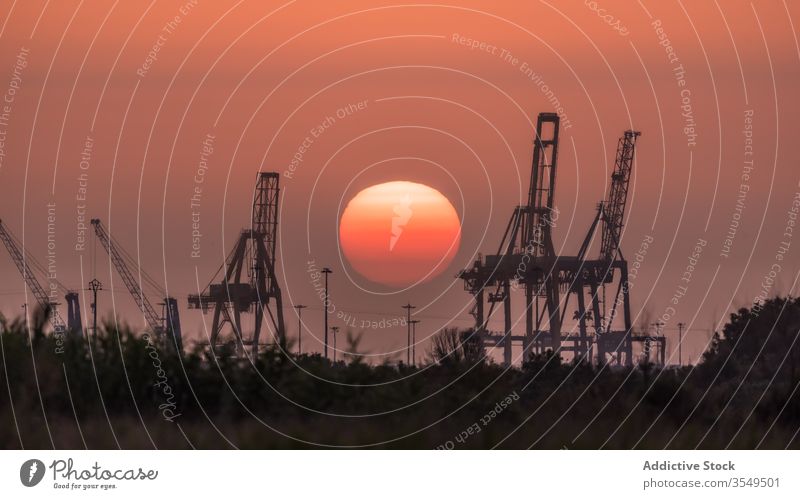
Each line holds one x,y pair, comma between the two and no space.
113,393
453,347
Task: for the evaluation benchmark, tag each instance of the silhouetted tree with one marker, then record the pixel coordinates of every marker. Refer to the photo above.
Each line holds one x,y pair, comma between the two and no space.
453,347
759,340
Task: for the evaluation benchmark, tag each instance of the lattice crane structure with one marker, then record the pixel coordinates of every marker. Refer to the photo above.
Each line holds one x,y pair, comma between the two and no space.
248,282
24,261
166,327
526,259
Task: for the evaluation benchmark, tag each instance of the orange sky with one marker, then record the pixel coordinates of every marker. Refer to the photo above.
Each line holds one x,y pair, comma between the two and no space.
339,86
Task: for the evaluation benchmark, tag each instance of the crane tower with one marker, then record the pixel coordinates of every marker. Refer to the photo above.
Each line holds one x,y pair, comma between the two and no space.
249,282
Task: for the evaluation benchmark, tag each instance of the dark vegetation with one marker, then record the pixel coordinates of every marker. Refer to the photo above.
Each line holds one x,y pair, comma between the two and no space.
743,395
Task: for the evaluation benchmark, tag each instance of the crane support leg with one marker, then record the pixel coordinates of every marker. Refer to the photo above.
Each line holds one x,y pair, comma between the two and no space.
528,320
582,319
553,308
507,315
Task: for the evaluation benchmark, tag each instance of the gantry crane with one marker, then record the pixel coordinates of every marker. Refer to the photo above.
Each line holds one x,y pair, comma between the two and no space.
167,328
592,276
254,253
23,262
526,254
527,257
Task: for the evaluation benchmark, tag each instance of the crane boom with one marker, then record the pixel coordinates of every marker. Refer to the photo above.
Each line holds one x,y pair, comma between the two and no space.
153,320
30,279
614,207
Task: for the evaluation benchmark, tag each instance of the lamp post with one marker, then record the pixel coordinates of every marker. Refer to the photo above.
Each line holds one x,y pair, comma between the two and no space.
300,328
680,343
414,340
408,323
94,286
335,330
326,271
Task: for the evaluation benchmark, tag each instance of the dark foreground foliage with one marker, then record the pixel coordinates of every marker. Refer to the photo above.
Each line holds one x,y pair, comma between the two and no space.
124,393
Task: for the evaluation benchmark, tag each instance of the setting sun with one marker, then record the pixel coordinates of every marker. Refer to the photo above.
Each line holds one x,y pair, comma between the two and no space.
399,233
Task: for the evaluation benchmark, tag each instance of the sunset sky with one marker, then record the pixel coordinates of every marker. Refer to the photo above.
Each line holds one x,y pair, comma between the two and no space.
122,110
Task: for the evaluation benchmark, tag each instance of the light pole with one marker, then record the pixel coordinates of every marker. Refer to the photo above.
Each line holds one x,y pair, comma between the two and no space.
300,328
326,271
680,343
658,325
414,340
94,286
408,323
335,330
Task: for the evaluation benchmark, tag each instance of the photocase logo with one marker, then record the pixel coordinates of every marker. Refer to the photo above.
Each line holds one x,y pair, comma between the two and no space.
402,214
31,472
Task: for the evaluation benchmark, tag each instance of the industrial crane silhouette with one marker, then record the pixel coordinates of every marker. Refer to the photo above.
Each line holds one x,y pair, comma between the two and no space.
167,329
593,275
526,258
254,253
23,260
526,254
